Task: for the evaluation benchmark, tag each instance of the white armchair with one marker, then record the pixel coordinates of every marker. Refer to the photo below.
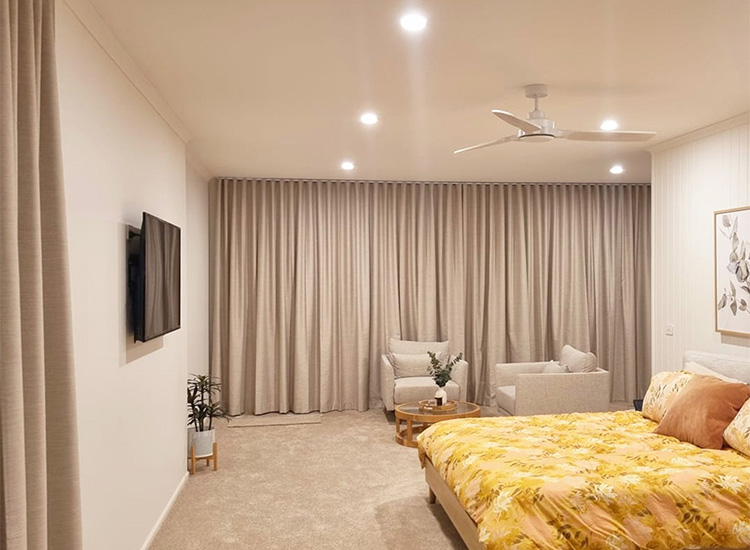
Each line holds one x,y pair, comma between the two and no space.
524,389
398,390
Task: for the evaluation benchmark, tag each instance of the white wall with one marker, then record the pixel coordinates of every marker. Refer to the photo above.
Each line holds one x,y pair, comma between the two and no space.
197,271
689,182
120,159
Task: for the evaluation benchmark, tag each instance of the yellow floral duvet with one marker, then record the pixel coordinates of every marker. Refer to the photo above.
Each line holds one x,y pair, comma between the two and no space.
590,481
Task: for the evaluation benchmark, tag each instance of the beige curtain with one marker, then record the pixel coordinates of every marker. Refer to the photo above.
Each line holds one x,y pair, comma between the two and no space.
39,492
311,278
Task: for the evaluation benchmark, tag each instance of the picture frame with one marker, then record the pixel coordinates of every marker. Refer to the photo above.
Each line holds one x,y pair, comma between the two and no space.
732,271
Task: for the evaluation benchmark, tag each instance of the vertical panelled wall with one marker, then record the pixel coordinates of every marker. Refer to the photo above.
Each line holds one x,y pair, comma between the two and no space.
690,181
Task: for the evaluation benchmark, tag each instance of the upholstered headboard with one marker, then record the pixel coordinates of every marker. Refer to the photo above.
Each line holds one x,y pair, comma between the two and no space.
733,367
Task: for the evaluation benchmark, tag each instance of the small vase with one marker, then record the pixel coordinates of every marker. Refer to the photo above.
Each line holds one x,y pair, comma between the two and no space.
441,398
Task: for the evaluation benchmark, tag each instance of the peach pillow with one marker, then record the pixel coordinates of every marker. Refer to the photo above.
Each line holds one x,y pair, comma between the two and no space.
702,411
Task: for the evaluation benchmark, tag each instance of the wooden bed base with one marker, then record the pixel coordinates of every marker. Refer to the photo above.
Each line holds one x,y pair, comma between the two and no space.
448,500
461,520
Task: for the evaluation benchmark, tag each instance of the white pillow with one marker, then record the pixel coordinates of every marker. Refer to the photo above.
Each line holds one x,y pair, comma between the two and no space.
577,361
553,367
409,347
697,368
409,365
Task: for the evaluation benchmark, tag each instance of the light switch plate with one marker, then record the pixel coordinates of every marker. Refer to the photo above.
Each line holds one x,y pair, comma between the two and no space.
670,330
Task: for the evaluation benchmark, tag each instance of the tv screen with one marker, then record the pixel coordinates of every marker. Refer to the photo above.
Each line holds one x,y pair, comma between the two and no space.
157,298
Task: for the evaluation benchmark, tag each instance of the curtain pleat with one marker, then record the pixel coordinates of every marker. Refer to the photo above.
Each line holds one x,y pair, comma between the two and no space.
311,278
39,484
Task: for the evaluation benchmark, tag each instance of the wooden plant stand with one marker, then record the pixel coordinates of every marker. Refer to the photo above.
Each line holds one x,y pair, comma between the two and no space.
193,459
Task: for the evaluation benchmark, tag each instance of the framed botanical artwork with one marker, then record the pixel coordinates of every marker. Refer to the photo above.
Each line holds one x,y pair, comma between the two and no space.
732,271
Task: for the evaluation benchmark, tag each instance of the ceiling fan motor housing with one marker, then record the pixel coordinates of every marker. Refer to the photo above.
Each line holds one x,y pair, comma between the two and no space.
536,138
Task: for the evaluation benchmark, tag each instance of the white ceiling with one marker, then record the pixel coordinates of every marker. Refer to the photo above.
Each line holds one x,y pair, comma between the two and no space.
274,88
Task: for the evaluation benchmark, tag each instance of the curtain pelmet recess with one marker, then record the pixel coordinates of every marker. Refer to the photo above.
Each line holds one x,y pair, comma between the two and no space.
310,279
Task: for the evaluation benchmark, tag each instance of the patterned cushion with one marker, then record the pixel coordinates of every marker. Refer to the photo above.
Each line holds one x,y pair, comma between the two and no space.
662,391
702,411
737,434
405,366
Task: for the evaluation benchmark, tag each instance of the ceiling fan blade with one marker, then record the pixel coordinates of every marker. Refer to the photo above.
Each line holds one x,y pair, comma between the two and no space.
513,120
602,135
486,144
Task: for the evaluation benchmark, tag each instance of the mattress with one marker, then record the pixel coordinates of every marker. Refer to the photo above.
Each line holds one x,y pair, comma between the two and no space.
590,481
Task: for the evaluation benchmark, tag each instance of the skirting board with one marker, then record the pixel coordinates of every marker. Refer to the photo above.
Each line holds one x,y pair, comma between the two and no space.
165,512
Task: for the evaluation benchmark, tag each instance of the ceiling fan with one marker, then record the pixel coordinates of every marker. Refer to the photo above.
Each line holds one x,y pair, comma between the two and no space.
538,128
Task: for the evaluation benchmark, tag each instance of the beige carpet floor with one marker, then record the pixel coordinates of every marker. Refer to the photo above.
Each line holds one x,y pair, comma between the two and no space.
341,484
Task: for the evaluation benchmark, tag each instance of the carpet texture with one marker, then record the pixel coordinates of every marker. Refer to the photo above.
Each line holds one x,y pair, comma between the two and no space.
343,484
273,419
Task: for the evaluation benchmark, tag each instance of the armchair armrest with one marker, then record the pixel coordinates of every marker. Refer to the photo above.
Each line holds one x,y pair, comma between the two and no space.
460,376
505,373
554,393
387,380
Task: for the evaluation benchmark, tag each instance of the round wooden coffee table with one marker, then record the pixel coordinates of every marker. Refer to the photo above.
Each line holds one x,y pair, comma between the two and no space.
411,414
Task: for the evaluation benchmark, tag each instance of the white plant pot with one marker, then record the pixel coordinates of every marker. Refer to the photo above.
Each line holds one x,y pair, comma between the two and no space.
441,396
202,441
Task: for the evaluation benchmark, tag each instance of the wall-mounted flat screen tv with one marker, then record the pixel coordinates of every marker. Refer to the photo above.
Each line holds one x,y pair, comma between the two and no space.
154,273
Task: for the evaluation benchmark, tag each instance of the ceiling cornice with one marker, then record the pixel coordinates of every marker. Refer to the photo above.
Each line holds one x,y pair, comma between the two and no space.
101,33
192,159
734,122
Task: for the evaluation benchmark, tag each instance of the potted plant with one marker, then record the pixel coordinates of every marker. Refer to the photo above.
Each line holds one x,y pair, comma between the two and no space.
441,374
202,410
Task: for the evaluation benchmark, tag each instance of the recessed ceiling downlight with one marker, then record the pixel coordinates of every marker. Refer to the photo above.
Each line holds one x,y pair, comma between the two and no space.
617,169
368,118
413,22
609,125
347,165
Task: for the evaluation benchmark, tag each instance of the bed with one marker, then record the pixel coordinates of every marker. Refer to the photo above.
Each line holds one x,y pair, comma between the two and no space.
587,481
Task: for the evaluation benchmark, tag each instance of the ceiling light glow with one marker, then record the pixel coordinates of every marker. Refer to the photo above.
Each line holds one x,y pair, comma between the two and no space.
413,22
609,125
347,165
617,169
368,118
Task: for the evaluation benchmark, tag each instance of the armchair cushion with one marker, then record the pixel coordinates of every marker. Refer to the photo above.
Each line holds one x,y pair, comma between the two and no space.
416,388
409,347
577,361
405,366
506,399
554,367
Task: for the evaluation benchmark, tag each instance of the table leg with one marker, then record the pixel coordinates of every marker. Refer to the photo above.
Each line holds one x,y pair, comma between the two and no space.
409,431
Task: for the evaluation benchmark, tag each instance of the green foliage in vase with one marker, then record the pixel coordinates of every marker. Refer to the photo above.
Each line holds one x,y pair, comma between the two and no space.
202,409
441,372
